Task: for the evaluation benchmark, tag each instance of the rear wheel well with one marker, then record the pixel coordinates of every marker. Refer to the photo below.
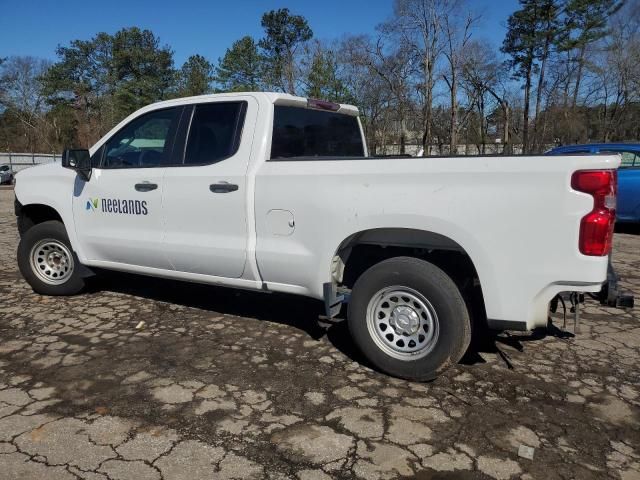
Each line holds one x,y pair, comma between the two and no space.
34,214
455,263
356,257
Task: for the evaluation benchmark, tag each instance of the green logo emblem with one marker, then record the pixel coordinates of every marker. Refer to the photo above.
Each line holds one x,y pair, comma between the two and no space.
92,204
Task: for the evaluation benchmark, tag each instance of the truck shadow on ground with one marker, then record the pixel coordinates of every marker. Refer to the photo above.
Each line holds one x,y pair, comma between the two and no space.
295,311
292,310
492,341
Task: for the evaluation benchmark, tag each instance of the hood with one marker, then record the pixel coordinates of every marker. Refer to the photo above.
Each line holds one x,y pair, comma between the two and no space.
44,170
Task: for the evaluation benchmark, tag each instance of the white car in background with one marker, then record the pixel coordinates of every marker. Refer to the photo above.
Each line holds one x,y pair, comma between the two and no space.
6,175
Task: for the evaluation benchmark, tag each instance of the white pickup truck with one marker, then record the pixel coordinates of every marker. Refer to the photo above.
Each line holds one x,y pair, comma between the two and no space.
277,193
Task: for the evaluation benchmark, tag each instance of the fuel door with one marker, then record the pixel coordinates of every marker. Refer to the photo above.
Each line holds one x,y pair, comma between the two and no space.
280,222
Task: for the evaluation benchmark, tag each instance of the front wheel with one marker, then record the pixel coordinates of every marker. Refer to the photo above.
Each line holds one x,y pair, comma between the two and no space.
409,318
47,262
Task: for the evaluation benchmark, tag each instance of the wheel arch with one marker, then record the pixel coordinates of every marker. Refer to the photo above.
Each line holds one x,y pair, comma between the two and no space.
33,214
361,250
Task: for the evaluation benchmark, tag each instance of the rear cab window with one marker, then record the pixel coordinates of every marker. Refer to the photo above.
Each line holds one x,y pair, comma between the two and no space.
307,134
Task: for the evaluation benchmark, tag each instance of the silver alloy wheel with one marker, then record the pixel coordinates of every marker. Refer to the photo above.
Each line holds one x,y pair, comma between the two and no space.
51,261
402,323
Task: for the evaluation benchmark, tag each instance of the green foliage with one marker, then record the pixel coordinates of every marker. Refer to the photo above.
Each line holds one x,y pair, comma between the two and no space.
284,34
195,77
527,30
110,76
143,69
241,67
323,80
84,68
587,21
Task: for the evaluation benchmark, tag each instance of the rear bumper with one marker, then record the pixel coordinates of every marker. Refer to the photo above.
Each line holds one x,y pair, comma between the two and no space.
608,294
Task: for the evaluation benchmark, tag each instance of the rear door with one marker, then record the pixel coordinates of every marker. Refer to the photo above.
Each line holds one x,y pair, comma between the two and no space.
205,197
118,212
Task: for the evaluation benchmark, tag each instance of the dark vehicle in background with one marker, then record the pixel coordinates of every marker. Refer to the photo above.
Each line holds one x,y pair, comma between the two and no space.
6,175
628,208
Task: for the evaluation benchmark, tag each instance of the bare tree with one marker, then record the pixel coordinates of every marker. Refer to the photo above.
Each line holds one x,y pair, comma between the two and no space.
484,78
549,28
418,24
457,34
22,96
395,67
368,90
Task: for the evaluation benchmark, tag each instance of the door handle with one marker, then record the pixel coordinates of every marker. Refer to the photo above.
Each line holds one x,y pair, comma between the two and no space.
223,187
146,186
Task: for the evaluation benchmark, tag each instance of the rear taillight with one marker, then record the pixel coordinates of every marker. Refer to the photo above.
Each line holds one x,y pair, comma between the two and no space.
596,227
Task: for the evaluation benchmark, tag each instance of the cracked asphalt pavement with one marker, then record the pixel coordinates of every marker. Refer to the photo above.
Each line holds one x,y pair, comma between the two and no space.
236,385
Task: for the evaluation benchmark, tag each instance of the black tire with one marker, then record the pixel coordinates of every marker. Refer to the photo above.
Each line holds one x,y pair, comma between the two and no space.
50,230
452,315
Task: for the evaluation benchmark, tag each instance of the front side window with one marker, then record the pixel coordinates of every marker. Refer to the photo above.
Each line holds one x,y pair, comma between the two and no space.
143,142
215,132
303,132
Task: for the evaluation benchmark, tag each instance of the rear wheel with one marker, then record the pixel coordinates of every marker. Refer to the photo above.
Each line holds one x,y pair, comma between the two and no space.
409,318
47,262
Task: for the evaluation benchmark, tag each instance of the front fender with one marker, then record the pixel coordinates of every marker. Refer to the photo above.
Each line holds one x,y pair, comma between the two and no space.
50,185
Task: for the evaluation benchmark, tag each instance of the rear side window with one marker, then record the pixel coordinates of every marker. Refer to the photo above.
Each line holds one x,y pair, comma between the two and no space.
306,133
215,132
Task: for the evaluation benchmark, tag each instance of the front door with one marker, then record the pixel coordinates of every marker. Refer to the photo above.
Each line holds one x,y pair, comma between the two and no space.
118,212
205,199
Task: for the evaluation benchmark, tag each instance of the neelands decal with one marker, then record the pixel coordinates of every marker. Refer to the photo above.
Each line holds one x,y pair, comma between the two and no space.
116,205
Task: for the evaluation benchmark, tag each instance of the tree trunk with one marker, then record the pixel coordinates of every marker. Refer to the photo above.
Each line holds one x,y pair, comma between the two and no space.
403,129
507,125
483,122
453,127
576,91
545,55
525,115
428,110
287,75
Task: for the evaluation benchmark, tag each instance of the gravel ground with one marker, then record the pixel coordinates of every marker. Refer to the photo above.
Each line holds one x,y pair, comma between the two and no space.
224,384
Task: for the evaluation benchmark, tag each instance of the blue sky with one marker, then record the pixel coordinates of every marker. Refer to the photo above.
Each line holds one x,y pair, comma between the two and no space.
207,27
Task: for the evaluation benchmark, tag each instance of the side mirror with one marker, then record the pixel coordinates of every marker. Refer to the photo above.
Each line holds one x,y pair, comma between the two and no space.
78,160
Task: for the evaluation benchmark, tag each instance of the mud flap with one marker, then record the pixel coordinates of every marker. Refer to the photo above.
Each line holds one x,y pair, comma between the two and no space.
333,299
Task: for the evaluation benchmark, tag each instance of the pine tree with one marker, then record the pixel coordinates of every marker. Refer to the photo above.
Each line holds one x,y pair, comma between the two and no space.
549,27
284,34
586,23
195,76
323,80
530,34
241,67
